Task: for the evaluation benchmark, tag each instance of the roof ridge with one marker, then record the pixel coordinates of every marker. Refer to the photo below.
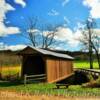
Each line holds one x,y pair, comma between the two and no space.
52,53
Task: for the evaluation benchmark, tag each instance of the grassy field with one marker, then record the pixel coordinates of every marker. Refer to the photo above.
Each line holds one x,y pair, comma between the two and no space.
10,70
85,64
50,89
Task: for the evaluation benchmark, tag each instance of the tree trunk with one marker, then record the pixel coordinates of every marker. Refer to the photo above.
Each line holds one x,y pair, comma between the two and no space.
97,54
91,60
90,51
98,60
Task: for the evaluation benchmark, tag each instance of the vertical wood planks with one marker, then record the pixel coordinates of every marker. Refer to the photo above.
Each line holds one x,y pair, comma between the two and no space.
58,68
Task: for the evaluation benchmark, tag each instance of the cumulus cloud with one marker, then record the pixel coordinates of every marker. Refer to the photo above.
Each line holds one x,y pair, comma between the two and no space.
11,47
16,47
4,30
53,13
8,30
97,32
34,30
66,34
65,2
4,8
63,34
21,2
94,6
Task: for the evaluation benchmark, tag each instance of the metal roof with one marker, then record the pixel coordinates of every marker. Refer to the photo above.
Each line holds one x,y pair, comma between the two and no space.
51,53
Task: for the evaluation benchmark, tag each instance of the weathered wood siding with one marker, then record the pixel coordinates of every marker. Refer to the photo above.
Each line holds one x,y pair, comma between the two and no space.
58,69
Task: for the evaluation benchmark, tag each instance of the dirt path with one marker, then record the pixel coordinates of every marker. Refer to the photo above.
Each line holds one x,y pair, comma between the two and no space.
7,95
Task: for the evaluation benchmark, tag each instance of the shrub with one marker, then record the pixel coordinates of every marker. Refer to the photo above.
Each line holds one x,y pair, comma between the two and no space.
98,80
92,83
90,78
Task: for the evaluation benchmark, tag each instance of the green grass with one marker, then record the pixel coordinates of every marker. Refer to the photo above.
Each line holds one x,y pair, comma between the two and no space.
49,89
84,64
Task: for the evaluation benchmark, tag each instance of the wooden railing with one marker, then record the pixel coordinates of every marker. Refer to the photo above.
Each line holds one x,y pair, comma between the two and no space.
90,71
39,77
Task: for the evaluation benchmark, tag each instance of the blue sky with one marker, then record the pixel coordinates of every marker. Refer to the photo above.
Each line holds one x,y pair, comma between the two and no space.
70,13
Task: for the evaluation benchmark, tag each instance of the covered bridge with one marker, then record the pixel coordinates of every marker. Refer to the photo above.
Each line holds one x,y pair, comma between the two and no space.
55,66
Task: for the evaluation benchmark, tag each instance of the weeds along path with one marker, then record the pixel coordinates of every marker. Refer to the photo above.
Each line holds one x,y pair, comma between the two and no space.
7,95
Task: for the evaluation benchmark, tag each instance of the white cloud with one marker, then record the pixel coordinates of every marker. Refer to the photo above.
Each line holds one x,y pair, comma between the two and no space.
4,8
97,32
33,30
94,6
4,30
11,47
8,30
66,34
79,26
63,33
21,2
16,47
53,13
65,2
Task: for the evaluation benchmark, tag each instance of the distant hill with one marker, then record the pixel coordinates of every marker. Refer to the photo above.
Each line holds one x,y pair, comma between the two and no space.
9,52
78,55
8,57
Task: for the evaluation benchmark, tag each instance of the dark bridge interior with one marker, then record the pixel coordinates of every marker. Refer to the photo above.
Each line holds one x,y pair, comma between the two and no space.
33,65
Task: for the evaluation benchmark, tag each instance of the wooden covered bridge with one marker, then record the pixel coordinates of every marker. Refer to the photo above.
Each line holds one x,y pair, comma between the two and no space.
55,66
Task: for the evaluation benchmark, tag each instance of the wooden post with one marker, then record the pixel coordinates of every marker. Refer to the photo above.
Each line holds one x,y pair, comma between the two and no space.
25,76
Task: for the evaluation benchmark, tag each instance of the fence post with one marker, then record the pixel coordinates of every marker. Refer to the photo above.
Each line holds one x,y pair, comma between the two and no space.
25,76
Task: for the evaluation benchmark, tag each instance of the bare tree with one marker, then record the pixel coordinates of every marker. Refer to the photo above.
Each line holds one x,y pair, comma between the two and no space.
40,34
91,40
89,26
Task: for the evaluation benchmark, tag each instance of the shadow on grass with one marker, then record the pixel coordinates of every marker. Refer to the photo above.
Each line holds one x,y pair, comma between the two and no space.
10,83
15,83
